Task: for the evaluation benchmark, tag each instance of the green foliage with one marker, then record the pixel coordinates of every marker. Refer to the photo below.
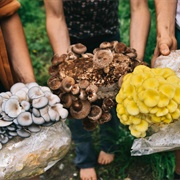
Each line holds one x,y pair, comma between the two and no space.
163,165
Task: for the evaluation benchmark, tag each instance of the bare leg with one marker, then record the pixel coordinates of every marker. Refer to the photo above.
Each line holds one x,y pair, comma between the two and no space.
88,174
105,158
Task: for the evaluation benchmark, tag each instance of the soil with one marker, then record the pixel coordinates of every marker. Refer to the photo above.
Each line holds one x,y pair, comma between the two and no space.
65,170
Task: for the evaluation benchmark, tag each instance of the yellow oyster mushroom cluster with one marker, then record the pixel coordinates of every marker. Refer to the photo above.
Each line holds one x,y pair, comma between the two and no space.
148,96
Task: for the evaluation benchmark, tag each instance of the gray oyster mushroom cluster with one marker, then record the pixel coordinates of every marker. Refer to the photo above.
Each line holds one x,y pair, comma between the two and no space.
89,82
26,108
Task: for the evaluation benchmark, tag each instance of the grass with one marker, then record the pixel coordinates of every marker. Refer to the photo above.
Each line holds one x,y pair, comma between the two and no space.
158,166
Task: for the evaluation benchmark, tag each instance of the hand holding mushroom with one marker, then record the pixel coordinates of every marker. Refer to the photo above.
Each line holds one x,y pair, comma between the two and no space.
88,83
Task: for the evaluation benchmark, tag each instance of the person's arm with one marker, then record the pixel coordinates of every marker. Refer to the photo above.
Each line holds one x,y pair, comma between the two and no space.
139,26
165,22
17,49
56,26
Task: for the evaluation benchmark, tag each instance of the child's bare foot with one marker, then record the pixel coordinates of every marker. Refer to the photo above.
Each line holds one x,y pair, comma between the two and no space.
88,174
105,158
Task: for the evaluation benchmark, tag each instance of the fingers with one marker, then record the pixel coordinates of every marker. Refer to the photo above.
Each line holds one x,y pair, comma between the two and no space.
164,49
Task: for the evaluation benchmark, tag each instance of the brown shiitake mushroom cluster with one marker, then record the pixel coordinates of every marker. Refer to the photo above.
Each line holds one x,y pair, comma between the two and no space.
26,108
87,83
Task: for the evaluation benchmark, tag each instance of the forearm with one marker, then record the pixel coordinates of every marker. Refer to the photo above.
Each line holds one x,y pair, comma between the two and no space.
56,26
165,20
58,35
139,26
17,48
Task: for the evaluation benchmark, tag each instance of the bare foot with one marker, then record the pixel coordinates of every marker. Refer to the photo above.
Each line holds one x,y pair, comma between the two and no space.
105,158
88,174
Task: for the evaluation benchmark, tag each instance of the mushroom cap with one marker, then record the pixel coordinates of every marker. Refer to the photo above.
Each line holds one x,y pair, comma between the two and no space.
24,119
83,84
95,113
92,97
44,113
5,117
82,94
79,48
12,133
108,103
45,89
12,127
12,108
5,95
4,139
102,59
53,70
54,83
23,133
67,83
31,84
53,114
22,95
63,113
105,45
36,112
92,88
66,100
16,87
34,128
37,120
40,102
25,105
106,116
5,123
35,92
120,47
52,98
80,109
75,89
56,60
91,92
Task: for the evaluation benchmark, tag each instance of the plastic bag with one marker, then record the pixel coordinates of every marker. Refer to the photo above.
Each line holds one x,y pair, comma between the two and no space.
28,157
167,137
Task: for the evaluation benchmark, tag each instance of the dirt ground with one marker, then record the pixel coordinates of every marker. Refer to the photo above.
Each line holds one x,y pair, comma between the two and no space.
65,170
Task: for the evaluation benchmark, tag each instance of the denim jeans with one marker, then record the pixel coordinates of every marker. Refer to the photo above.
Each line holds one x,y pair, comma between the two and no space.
86,156
177,33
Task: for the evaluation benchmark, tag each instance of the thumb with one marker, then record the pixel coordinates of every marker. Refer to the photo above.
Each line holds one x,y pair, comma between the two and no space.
164,49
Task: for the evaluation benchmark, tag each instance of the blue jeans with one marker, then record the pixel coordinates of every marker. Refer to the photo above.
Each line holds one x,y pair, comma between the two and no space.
86,156
177,33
